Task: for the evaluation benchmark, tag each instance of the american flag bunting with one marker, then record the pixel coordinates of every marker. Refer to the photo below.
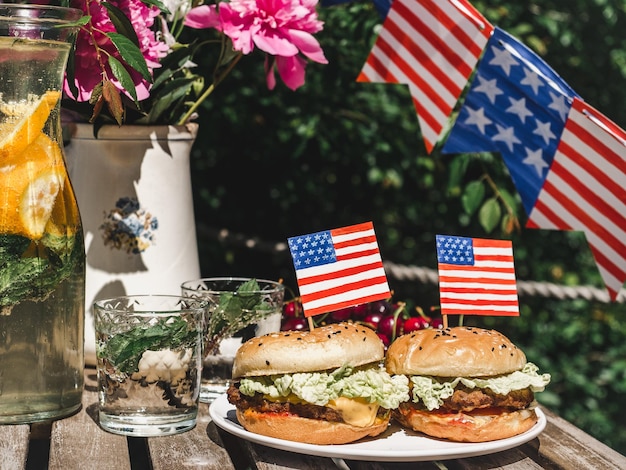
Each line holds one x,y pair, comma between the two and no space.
433,47
585,190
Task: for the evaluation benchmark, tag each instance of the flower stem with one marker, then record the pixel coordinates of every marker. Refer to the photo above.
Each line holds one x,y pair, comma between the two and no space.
218,79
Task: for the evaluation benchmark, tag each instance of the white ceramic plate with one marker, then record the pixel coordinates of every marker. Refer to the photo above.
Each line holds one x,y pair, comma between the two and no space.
394,445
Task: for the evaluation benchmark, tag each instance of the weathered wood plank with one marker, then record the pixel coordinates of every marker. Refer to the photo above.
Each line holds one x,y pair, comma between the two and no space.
78,442
267,458
566,446
253,456
365,465
14,446
200,448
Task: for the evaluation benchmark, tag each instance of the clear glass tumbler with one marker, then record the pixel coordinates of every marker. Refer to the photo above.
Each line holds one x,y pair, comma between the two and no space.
149,357
239,308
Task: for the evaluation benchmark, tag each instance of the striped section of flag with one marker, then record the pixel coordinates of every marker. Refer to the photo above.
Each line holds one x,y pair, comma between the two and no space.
433,47
476,276
338,268
585,190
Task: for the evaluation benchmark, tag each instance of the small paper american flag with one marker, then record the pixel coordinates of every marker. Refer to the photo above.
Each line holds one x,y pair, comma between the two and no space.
338,268
476,276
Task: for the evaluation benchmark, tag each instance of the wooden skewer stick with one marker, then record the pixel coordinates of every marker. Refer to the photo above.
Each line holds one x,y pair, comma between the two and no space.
445,321
311,325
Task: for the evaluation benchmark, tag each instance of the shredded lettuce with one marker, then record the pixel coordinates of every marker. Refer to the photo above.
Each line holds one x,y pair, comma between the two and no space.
432,392
372,384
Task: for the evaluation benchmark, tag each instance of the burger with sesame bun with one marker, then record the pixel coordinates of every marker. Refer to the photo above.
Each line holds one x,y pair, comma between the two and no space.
466,384
324,386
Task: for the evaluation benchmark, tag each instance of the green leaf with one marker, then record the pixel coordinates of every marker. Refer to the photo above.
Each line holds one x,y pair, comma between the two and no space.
172,93
235,311
157,3
473,196
131,54
457,169
124,350
510,200
121,22
32,277
489,214
120,72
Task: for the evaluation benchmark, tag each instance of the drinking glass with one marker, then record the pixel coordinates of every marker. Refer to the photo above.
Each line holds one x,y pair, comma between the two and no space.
149,357
239,308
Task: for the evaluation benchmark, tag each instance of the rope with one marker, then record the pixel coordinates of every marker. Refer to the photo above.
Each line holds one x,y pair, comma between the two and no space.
421,274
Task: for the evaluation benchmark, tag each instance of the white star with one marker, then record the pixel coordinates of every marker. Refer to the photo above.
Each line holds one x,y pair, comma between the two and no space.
543,130
535,159
506,135
478,118
519,108
489,88
502,58
559,105
532,80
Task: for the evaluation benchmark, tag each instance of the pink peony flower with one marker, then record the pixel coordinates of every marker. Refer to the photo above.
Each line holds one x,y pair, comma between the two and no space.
283,29
90,62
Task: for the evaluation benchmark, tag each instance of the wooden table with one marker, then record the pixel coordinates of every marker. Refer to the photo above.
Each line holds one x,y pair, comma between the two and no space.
78,443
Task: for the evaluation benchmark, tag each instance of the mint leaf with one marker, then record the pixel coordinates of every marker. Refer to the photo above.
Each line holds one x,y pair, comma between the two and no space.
32,270
124,350
235,311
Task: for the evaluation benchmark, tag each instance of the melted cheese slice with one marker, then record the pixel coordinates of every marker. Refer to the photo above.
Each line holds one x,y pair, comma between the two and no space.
354,411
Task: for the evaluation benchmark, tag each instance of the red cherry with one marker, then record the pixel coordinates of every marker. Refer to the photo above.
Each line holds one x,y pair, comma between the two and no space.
415,323
436,323
294,324
381,306
360,311
384,338
373,319
341,315
387,325
291,309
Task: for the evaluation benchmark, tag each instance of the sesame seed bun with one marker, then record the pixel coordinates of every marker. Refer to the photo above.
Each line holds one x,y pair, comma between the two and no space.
323,348
454,352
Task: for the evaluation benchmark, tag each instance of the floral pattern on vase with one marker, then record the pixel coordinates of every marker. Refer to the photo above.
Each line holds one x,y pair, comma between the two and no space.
129,227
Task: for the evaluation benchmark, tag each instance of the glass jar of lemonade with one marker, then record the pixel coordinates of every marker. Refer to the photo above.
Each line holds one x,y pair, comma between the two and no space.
42,253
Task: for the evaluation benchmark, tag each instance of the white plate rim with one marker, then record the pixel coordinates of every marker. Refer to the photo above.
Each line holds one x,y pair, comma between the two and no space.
402,445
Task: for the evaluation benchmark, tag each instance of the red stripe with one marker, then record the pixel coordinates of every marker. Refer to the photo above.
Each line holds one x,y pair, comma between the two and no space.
357,255
555,220
607,181
355,242
420,83
588,222
437,42
305,281
479,303
480,290
309,312
343,289
448,267
365,226
479,311
455,30
601,259
381,69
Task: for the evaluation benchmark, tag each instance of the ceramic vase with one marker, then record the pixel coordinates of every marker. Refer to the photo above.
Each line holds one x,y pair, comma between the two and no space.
133,186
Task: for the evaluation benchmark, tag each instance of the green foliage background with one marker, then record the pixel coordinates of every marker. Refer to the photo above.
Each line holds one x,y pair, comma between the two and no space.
337,152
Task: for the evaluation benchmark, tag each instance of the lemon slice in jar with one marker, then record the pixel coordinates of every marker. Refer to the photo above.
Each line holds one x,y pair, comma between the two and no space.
22,122
31,187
